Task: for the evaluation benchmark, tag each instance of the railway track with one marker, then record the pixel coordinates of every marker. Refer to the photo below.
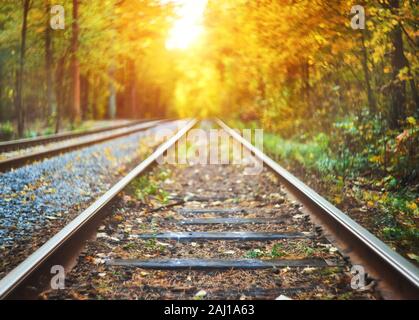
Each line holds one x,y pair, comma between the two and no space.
221,235
68,142
30,142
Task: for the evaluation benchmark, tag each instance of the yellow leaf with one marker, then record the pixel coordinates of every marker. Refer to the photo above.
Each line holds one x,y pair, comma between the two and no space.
412,206
413,256
411,121
375,159
118,218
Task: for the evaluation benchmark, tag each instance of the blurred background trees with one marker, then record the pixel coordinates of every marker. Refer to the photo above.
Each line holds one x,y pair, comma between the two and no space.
298,69
97,67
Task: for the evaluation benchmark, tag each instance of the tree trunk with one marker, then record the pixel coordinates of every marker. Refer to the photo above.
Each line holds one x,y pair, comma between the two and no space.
130,92
95,111
84,87
134,112
398,88
59,92
48,63
371,98
112,95
1,89
75,68
306,84
413,87
20,108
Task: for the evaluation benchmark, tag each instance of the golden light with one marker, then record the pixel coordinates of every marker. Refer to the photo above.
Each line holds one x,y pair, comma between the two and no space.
189,27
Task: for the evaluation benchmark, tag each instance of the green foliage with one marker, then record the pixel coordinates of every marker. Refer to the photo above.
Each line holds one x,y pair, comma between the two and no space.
312,155
151,244
277,251
396,233
30,134
378,166
6,131
254,254
146,187
48,131
355,146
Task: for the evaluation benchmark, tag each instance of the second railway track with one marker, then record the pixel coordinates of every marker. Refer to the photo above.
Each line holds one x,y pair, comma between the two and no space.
64,142
6,146
221,235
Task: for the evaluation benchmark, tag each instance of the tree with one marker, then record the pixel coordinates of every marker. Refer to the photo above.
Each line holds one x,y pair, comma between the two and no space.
49,62
398,62
75,68
20,108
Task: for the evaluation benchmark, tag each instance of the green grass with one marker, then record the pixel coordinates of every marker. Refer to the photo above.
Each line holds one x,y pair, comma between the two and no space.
6,131
254,254
145,187
395,203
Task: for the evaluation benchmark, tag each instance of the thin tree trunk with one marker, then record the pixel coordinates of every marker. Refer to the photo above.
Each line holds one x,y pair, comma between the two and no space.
1,89
48,63
20,108
157,103
134,111
130,94
75,68
398,87
95,112
84,87
306,84
371,98
59,92
112,95
413,87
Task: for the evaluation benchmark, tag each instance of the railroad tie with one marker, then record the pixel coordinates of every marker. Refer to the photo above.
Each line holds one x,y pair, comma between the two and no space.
211,221
240,236
219,264
198,198
211,210
260,293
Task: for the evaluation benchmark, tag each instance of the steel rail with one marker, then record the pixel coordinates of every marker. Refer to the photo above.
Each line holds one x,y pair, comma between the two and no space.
399,277
30,142
22,160
31,271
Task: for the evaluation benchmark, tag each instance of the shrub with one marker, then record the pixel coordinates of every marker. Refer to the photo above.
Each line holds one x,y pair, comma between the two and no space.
6,131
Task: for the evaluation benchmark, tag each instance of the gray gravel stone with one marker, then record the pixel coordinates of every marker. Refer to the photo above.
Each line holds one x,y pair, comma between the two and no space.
47,190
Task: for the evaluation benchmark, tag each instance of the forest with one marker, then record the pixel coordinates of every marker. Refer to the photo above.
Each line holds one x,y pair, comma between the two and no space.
338,104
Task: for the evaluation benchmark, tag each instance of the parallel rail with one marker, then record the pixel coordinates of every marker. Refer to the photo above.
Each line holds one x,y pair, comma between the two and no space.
397,277
12,145
19,161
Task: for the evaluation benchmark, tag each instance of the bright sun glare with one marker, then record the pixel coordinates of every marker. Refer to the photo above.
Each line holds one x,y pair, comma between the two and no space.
189,25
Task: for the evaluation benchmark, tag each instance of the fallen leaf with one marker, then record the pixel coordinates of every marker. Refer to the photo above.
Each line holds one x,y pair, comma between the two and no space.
309,270
413,256
200,294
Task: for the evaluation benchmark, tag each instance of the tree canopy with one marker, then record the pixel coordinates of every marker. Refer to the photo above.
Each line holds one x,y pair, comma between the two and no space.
294,65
